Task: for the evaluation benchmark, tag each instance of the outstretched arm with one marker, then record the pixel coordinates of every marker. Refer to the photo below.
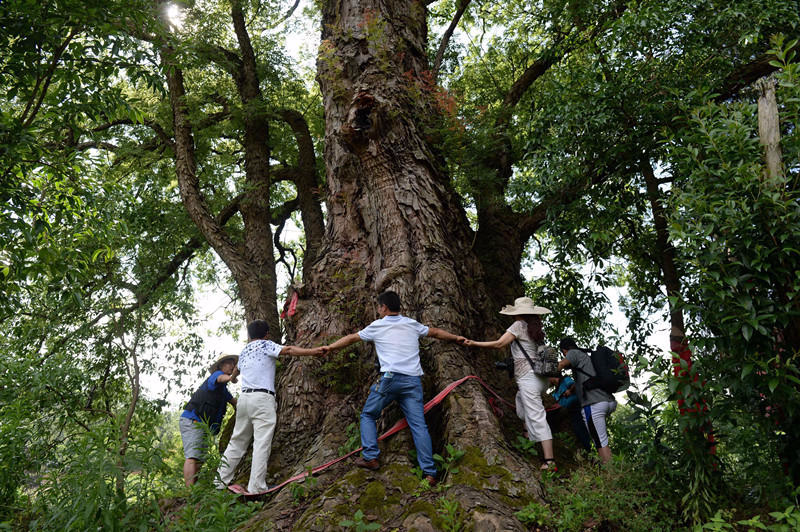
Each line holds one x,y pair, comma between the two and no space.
501,342
564,363
340,343
224,378
441,334
295,351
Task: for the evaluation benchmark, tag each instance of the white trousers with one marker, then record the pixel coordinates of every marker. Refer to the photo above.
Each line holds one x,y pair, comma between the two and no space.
255,417
530,408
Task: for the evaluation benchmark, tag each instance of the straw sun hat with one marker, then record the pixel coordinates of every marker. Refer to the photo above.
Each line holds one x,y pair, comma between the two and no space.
523,305
222,358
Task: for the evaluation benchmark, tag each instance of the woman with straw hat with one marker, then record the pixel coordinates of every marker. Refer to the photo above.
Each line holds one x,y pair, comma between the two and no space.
526,336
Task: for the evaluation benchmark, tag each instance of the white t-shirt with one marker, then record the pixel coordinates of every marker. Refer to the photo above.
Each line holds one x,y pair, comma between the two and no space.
396,340
520,331
257,364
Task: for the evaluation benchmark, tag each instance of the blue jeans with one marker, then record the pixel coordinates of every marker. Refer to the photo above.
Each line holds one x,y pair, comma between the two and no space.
407,391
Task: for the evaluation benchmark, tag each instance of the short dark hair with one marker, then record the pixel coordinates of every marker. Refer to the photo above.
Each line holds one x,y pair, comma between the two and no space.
391,300
257,329
567,343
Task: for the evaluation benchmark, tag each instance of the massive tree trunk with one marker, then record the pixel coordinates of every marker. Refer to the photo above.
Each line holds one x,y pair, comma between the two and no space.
394,222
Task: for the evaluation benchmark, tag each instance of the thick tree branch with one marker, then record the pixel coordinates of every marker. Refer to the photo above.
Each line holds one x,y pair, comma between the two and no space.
259,298
226,59
307,183
186,169
531,222
26,119
534,71
460,9
282,213
212,119
288,173
747,74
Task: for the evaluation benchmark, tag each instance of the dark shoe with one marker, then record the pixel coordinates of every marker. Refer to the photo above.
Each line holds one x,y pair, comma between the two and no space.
368,464
431,480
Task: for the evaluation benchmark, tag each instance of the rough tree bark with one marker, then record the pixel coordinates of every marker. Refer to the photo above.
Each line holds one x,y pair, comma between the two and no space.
394,222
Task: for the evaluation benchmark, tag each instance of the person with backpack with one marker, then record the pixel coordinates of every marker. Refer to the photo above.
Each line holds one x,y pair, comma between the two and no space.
207,405
526,338
597,404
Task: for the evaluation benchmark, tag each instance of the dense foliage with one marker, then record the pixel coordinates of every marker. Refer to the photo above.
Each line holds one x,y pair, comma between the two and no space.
643,113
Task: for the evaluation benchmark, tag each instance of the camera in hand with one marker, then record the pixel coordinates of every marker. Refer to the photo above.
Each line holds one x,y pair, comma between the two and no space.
507,364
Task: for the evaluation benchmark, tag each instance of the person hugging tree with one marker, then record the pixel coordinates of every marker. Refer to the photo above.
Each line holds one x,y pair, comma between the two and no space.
256,416
525,335
396,340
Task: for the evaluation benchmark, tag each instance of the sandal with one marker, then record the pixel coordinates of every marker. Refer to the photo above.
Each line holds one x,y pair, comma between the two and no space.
549,465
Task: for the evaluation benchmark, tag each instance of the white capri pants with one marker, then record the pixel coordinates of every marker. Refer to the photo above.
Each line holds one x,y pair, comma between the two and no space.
530,408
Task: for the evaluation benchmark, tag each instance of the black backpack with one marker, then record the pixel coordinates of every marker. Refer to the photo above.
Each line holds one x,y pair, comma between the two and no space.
611,371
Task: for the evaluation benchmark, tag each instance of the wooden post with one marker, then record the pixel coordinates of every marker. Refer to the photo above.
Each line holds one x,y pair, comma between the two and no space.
769,126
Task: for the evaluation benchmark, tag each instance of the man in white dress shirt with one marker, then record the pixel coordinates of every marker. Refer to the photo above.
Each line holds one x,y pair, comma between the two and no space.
255,412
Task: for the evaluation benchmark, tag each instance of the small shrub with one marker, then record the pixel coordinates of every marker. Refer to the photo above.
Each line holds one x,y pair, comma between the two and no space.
300,490
447,465
358,524
353,439
526,446
535,514
452,515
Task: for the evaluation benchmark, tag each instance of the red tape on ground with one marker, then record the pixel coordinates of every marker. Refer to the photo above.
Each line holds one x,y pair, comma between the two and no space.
397,427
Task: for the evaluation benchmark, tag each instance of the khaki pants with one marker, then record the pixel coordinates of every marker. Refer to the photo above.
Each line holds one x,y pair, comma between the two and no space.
255,417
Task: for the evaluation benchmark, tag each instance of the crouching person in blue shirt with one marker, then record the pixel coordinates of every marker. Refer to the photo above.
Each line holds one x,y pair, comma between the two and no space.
567,398
207,405
396,340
